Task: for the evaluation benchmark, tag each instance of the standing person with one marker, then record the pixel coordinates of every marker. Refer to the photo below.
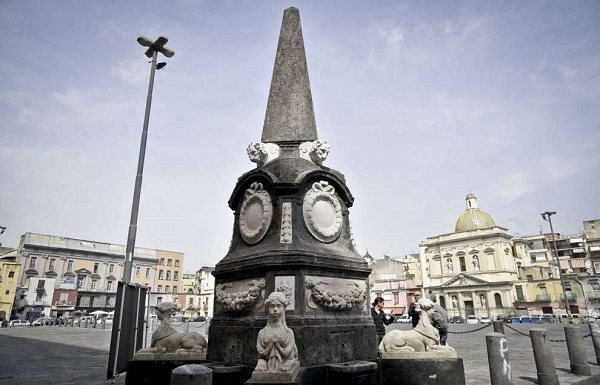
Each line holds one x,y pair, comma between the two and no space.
379,318
439,320
413,313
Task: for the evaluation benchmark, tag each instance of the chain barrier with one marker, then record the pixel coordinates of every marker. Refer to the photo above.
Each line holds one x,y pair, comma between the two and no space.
471,331
551,340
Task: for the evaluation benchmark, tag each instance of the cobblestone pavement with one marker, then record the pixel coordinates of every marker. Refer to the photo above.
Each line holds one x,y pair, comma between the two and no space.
69,356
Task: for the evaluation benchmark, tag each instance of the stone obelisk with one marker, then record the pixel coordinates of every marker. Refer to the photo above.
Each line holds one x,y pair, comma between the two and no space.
292,234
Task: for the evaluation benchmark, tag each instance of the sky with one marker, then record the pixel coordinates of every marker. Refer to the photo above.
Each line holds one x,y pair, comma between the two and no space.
422,102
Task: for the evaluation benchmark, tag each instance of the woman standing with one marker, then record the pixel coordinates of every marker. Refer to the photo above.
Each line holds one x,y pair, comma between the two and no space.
380,319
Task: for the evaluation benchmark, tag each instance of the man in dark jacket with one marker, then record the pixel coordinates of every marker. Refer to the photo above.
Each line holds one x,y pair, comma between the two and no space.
413,313
439,320
379,318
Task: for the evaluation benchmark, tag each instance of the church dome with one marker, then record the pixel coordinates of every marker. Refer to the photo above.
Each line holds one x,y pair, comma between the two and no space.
473,217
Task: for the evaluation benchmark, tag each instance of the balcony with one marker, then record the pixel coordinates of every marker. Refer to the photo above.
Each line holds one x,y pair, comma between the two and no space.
63,303
593,294
571,296
543,298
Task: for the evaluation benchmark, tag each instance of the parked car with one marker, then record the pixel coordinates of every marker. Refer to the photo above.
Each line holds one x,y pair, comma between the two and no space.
81,320
456,319
472,319
404,319
17,322
41,321
198,319
485,320
107,320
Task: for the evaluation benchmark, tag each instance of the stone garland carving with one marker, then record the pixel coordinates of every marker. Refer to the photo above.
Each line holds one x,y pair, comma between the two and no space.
322,212
354,297
261,153
316,151
241,300
286,223
256,214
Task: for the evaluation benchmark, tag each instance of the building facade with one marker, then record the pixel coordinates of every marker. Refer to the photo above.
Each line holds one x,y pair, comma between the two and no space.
9,278
60,275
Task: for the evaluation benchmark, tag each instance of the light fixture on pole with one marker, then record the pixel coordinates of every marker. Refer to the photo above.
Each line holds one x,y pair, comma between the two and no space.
154,47
547,217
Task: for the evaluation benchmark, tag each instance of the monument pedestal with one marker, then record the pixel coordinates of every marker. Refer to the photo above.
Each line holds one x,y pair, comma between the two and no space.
441,371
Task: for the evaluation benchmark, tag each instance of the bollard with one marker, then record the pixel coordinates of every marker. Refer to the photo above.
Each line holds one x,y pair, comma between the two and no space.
499,327
72,322
544,360
191,374
186,326
595,331
104,323
497,349
577,355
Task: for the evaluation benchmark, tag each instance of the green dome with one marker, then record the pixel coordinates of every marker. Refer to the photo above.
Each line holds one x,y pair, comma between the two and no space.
473,217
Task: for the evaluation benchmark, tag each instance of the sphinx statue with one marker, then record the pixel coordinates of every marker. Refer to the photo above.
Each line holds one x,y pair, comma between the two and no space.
420,342
168,343
276,346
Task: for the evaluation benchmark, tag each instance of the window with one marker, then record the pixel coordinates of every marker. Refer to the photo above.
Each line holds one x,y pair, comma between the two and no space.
191,302
175,275
32,262
498,301
168,275
109,285
177,263
70,266
94,284
51,264
167,289
169,262
530,277
519,290
107,301
92,298
174,289
147,272
39,296
162,261
80,283
96,268
11,274
396,298
7,292
158,301
159,289
64,297
160,274
543,291
137,271
463,266
111,268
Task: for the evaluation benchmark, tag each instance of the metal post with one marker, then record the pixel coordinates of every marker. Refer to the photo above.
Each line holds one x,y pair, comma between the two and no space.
544,360
560,274
138,179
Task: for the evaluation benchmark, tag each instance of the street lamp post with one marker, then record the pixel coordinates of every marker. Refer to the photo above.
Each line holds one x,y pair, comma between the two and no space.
547,217
154,47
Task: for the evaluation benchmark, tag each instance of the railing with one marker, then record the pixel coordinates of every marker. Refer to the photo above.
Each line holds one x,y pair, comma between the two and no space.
593,294
543,298
571,297
62,303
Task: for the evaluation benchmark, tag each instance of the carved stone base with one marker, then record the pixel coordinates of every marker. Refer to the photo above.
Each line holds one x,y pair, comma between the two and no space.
432,354
169,356
276,377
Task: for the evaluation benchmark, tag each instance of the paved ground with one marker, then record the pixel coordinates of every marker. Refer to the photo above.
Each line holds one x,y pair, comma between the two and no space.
65,355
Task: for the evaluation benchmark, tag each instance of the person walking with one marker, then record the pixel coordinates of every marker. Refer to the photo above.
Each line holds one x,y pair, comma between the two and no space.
380,319
439,320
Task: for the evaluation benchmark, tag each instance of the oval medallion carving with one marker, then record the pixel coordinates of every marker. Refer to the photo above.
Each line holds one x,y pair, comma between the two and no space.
256,214
322,212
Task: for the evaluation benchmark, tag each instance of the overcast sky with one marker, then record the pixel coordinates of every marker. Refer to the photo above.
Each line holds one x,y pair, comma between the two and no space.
422,102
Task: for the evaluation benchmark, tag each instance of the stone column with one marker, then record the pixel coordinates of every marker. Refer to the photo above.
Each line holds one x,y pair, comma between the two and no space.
577,355
191,374
595,331
497,349
544,361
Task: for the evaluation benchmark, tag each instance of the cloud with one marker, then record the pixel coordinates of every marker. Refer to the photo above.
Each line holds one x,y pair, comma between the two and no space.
515,185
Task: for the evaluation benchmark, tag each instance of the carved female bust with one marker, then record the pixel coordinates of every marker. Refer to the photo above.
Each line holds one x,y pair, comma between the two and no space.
277,351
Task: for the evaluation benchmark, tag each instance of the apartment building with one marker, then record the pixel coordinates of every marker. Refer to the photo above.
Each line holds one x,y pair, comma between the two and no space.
60,275
9,278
